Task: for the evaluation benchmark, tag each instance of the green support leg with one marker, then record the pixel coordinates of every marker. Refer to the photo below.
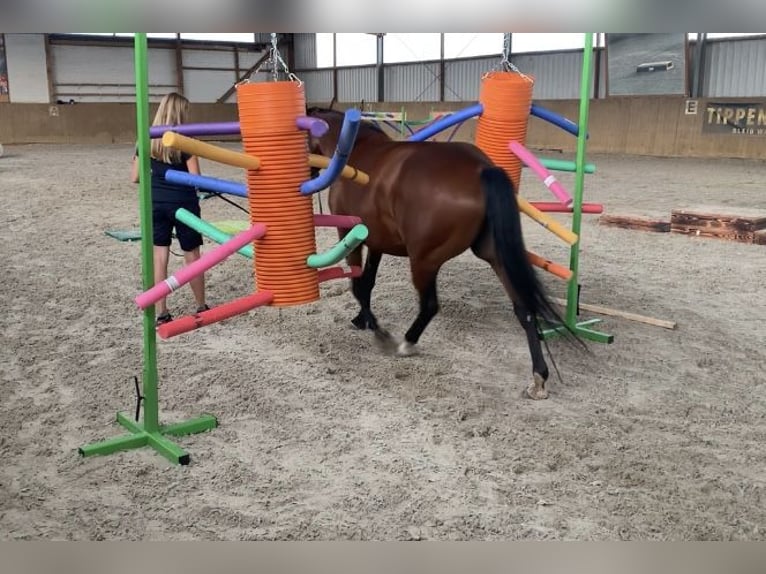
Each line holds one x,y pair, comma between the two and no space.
139,438
581,329
192,426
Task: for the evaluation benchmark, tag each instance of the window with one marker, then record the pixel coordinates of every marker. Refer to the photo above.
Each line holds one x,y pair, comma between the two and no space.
534,42
244,37
351,49
324,42
469,44
411,47
356,49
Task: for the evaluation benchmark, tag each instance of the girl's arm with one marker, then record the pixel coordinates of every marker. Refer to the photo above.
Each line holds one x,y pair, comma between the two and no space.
193,165
134,170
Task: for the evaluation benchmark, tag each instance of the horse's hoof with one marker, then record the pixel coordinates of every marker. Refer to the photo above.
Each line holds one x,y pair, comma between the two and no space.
536,390
406,349
385,341
363,322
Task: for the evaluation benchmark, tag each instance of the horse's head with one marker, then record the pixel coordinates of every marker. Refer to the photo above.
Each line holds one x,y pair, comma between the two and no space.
326,144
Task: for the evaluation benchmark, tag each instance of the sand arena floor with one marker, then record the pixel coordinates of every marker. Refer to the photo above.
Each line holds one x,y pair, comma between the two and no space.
659,436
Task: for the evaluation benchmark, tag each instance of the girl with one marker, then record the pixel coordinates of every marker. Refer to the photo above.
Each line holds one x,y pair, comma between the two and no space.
167,198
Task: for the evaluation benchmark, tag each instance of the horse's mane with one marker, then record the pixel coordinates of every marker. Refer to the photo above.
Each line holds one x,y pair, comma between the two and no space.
339,115
320,110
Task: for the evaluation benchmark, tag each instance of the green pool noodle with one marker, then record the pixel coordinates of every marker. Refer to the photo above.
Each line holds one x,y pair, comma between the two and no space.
351,241
208,230
564,165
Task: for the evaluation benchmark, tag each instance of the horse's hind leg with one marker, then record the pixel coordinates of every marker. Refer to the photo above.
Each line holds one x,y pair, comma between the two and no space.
536,389
362,288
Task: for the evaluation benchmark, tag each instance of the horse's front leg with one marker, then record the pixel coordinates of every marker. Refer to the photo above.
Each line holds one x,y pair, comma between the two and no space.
424,281
362,287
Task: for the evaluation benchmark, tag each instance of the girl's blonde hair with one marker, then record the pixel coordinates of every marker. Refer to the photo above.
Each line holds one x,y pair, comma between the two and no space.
173,110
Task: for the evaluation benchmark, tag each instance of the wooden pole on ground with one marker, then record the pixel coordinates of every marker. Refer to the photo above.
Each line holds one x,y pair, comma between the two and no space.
623,314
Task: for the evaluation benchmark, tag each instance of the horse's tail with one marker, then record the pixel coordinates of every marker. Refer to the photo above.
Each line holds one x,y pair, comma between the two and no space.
504,221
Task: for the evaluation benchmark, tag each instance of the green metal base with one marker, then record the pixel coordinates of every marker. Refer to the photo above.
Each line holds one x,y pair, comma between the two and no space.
582,330
140,438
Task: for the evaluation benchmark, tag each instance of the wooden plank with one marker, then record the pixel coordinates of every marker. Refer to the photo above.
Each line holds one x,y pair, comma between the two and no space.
714,233
637,222
721,217
623,314
713,225
730,223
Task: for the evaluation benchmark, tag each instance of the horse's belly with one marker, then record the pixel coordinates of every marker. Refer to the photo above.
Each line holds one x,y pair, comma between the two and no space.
367,203
384,239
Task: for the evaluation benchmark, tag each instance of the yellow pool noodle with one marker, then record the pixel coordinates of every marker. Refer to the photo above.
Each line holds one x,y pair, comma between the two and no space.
211,152
348,172
548,222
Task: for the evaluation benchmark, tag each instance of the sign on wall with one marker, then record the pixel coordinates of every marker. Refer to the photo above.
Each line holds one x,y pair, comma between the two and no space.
646,64
740,118
4,93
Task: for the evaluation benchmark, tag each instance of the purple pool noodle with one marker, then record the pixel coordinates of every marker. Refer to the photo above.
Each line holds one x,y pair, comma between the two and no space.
317,127
206,129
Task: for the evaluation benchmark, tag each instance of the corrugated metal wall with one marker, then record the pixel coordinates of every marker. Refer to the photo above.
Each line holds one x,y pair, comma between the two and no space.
357,84
557,76
206,59
735,68
305,46
318,85
462,78
416,82
106,73
206,85
27,75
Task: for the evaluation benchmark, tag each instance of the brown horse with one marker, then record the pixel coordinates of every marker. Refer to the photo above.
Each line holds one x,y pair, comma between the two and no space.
431,202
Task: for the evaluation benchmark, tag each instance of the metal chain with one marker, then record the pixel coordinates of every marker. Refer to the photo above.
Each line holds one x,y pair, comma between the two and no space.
505,63
275,59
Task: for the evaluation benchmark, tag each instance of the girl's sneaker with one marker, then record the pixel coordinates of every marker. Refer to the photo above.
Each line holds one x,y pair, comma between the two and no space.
166,317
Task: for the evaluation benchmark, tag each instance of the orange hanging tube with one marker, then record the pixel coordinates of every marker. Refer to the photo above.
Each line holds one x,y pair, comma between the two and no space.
267,113
507,100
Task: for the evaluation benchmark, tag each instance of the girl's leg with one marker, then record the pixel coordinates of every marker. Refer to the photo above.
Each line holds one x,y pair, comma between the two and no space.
161,255
198,283
191,241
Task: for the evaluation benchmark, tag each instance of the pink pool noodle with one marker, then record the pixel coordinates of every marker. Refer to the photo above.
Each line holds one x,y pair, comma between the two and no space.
339,221
208,260
545,176
330,273
557,207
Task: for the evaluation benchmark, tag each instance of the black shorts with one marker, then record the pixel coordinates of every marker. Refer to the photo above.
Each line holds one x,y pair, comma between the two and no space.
164,220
